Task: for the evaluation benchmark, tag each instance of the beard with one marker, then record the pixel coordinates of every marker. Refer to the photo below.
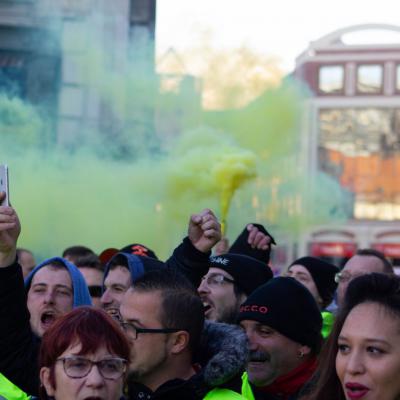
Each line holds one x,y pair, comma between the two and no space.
230,314
143,372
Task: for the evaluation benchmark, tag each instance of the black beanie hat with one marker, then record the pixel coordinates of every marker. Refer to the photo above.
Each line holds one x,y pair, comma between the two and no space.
247,272
241,246
288,307
323,274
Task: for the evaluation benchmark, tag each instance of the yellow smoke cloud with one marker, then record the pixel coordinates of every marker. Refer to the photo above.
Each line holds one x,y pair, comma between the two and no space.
207,164
114,189
231,172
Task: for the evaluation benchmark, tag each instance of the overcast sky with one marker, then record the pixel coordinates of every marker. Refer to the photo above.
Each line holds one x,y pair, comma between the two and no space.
282,28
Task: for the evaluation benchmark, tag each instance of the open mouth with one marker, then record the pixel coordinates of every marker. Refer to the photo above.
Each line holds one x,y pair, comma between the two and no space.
47,318
93,398
206,307
113,313
356,391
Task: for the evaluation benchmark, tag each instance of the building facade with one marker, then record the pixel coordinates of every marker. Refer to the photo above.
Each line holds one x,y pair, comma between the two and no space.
352,133
44,47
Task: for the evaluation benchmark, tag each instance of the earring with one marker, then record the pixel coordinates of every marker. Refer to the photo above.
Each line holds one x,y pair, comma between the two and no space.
301,354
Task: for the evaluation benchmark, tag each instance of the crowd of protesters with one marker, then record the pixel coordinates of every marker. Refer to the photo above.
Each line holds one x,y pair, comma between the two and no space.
211,322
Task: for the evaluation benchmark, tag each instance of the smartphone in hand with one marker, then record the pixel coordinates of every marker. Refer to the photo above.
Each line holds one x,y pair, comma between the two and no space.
4,184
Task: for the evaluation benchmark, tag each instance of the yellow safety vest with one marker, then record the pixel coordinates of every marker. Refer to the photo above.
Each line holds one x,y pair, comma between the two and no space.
327,323
247,393
9,391
223,394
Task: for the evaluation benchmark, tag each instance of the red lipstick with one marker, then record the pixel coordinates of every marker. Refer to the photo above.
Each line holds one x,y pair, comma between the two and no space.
355,391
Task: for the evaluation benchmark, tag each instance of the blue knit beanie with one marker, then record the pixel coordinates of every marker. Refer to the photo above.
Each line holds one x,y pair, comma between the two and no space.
137,265
79,286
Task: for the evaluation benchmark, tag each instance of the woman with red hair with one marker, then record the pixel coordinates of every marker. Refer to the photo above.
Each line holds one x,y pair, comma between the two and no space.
83,355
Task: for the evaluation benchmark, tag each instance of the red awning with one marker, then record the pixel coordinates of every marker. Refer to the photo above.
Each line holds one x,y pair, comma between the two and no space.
333,249
391,250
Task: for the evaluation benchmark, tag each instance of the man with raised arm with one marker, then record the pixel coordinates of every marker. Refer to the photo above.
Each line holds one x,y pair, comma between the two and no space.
191,258
52,289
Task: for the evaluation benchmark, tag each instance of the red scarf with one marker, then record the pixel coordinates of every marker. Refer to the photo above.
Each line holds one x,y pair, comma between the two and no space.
290,383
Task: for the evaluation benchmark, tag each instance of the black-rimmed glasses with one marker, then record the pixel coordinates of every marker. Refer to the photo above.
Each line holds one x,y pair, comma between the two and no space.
78,367
133,330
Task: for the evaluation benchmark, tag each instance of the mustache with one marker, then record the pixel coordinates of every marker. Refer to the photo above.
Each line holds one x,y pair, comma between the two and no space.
259,356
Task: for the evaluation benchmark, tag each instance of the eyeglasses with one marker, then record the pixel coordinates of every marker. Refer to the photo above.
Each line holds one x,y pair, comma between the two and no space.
216,279
79,367
95,291
133,330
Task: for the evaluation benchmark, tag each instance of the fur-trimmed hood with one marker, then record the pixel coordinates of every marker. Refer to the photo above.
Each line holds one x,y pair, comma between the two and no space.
222,355
223,352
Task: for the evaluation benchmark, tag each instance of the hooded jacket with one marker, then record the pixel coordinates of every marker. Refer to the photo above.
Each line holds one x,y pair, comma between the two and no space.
137,265
19,346
81,291
221,356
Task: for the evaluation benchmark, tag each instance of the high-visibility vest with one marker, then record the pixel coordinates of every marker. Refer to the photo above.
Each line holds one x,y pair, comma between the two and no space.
247,392
8,391
223,394
327,323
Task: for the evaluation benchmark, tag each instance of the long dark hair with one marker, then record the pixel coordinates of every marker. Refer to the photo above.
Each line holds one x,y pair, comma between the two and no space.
375,288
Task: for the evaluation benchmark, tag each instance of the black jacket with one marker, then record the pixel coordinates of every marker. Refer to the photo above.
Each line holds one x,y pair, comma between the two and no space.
19,347
222,354
189,261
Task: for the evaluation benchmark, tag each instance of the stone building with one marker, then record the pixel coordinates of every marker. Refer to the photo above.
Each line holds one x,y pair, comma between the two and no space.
50,51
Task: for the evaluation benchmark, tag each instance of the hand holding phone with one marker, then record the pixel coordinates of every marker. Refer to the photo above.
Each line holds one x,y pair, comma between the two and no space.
4,184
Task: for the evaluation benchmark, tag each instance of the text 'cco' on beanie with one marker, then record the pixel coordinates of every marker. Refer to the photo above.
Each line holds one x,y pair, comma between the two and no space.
286,306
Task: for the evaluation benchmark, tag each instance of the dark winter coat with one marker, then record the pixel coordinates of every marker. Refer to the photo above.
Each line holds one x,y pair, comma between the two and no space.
224,353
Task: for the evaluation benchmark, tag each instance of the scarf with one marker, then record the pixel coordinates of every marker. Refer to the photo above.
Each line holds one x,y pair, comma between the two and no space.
293,381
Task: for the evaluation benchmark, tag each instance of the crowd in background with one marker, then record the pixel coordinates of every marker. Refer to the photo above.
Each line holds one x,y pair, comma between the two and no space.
210,322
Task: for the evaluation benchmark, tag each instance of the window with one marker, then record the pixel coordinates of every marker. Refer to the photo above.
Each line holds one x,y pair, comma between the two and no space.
142,11
369,78
331,79
360,148
13,73
398,78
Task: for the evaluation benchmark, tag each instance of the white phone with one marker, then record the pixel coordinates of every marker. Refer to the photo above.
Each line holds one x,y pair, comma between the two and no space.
4,184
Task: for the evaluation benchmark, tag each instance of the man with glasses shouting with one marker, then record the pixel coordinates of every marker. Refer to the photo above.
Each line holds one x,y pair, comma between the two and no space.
163,318
229,281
